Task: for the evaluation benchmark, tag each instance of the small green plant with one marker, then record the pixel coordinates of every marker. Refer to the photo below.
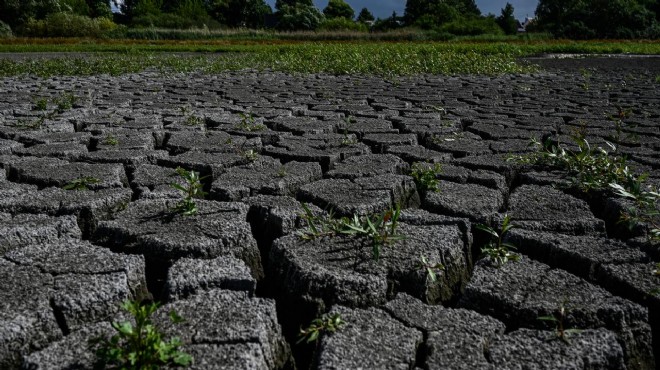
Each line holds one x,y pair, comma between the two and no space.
618,118
325,324
430,268
348,140
140,347
425,176
81,183
646,209
251,155
319,226
110,140
380,229
192,190
31,124
558,318
591,169
657,79
193,121
496,250
249,124
281,172
586,75
41,104
65,102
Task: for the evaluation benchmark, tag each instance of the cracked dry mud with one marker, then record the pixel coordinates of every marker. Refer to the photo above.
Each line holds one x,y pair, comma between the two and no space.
243,279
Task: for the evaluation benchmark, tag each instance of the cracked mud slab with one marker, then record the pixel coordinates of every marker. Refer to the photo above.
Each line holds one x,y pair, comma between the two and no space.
238,271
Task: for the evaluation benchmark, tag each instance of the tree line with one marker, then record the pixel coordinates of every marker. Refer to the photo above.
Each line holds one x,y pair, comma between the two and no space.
578,19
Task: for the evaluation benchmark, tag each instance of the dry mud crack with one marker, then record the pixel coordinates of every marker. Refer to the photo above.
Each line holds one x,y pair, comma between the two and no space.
264,143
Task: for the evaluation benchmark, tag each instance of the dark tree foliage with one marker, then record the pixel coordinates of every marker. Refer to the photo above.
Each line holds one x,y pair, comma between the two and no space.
239,13
299,17
507,21
390,23
365,16
436,12
465,7
280,3
338,9
585,19
17,12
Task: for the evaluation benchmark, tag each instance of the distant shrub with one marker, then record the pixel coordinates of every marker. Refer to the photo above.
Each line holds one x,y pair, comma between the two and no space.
342,24
5,30
472,27
68,25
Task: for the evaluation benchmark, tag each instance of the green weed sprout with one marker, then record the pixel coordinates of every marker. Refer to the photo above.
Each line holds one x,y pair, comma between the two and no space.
141,346
249,124
425,176
591,169
65,102
192,190
430,268
646,210
379,229
193,121
81,183
497,250
558,319
326,323
110,140
41,104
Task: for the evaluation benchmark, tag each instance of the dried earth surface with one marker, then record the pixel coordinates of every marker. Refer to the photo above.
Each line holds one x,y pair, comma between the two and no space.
239,272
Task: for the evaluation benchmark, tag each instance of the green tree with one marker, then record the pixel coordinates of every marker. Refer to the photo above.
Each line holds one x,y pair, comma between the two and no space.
583,19
465,7
365,16
240,13
437,12
338,9
281,3
16,12
507,21
299,17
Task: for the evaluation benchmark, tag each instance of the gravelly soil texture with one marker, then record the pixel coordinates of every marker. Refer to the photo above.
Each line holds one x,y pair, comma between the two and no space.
239,271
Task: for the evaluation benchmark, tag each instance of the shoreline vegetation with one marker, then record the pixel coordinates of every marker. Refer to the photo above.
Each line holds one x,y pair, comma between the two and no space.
475,55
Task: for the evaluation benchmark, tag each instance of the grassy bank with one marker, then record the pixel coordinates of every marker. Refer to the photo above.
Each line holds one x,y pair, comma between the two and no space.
468,56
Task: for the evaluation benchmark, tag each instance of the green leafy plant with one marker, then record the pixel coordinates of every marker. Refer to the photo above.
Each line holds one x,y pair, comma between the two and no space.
65,102
110,140
430,268
281,172
249,124
81,183
646,209
425,176
496,250
325,324
318,226
590,169
618,118
379,229
140,347
41,104
250,154
558,318
191,190
657,79
193,121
